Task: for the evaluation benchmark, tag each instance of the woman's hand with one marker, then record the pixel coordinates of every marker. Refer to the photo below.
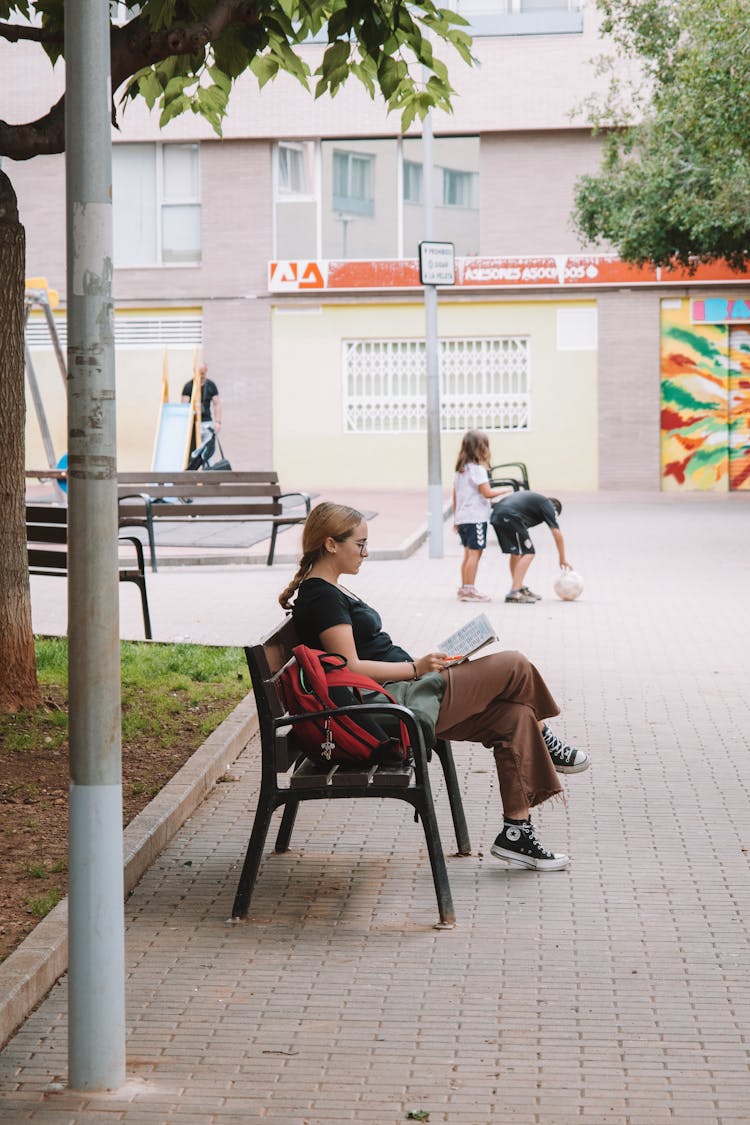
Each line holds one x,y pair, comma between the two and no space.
433,662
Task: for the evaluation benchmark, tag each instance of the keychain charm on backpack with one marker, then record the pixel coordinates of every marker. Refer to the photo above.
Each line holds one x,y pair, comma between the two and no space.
329,745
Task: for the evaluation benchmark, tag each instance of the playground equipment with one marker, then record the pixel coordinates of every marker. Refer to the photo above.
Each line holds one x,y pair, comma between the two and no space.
39,295
179,425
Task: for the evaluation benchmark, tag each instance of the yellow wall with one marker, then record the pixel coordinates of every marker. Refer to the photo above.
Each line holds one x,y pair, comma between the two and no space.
560,446
139,392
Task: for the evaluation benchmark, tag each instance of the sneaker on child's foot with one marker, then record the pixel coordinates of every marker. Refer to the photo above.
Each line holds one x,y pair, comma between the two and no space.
517,843
530,594
566,759
471,594
518,597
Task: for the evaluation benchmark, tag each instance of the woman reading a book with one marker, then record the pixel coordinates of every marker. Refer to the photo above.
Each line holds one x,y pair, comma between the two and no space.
499,700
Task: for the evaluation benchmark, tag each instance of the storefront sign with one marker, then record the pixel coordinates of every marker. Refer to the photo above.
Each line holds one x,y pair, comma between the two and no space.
568,271
720,310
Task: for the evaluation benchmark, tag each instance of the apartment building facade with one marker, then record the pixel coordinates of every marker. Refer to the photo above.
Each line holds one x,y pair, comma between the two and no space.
284,254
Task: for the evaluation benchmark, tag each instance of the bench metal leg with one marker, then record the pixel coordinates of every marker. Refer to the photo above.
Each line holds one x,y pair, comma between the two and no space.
141,584
445,754
424,806
272,547
263,814
151,543
287,824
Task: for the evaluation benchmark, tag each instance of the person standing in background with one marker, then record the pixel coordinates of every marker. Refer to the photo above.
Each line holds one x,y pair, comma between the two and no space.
210,403
471,508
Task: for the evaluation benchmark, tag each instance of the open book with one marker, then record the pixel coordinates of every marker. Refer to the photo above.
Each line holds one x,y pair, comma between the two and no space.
475,634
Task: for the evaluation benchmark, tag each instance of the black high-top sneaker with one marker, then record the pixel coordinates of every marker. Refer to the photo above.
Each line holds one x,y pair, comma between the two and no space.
517,843
566,759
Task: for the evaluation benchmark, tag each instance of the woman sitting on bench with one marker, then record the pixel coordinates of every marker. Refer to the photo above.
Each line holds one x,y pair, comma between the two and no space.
499,700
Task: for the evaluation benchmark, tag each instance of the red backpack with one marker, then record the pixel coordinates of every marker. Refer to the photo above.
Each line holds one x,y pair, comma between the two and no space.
319,680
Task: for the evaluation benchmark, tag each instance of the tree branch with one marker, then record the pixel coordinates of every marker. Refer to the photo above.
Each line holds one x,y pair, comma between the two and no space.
132,46
38,138
136,44
13,32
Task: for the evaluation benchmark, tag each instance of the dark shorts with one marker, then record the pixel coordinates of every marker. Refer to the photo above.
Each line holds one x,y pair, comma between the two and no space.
473,535
513,537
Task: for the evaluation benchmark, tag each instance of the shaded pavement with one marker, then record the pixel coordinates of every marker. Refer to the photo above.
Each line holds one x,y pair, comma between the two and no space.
616,991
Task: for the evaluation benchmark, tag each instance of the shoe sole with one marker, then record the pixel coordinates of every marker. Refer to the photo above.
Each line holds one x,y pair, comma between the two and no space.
520,601
529,862
573,769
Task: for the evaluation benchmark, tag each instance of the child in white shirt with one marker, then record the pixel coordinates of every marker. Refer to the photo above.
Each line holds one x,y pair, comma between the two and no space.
471,508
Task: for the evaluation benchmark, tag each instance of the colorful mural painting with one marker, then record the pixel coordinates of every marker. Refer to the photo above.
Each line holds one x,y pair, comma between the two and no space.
694,393
739,408
705,396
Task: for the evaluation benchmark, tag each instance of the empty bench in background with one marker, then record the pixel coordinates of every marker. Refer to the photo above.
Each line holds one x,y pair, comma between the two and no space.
288,777
146,498
47,547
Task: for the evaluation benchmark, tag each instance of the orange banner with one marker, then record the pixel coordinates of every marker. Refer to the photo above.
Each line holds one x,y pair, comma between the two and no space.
568,271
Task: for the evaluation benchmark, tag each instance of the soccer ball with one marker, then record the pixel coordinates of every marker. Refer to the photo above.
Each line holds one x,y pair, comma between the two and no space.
568,585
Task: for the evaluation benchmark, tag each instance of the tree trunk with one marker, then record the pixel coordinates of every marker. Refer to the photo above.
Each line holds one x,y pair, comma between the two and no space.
18,681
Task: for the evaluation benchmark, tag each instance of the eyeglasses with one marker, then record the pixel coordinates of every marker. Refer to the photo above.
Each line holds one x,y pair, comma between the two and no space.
361,543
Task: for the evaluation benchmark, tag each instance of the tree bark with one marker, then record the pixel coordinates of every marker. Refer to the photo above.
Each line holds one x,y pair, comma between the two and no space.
19,686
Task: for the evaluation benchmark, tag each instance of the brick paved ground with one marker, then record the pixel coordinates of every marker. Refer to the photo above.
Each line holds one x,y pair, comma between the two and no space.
616,991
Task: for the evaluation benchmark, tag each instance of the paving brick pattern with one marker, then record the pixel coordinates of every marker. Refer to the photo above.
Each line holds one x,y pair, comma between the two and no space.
616,991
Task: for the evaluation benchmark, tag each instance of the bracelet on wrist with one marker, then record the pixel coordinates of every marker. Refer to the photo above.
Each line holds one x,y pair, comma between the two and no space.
414,666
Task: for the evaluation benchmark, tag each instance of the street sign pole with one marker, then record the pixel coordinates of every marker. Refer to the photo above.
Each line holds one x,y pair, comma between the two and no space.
436,267
96,922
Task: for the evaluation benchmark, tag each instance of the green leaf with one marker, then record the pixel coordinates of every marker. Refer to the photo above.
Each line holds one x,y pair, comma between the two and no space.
174,109
391,73
335,56
150,87
264,68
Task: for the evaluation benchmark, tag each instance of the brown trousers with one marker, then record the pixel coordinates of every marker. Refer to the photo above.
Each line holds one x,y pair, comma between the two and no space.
498,700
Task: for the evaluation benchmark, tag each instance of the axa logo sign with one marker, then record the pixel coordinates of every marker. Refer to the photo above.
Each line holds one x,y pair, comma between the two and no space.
293,277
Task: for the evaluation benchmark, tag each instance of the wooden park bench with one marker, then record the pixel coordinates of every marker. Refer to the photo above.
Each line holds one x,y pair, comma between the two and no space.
145,498
288,777
47,541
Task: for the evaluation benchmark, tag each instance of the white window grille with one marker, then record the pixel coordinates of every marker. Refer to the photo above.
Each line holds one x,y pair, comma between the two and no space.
484,384
130,331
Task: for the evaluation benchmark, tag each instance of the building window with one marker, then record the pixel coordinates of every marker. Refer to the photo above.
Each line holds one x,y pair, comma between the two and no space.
353,182
459,188
485,384
293,175
156,204
412,182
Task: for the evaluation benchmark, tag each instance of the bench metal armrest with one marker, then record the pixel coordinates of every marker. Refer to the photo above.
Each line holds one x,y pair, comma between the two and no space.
138,550
409,719
305,498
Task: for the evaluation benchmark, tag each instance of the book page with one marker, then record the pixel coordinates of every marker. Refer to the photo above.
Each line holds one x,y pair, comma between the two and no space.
472,636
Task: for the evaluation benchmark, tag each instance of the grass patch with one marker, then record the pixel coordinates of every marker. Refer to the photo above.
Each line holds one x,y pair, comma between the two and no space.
159,684
41,905
173,697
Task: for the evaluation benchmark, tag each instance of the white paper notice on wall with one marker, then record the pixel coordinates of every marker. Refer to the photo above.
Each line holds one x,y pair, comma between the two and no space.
577,330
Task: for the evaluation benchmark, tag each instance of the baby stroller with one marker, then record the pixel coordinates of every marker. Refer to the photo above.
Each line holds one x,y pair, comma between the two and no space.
200,458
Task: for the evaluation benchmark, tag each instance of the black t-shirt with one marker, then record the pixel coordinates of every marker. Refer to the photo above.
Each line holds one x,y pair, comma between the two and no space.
208,391
525,509
319,605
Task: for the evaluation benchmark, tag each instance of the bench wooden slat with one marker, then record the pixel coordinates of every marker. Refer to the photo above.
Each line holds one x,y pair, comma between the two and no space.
187,477
309,774
258,493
